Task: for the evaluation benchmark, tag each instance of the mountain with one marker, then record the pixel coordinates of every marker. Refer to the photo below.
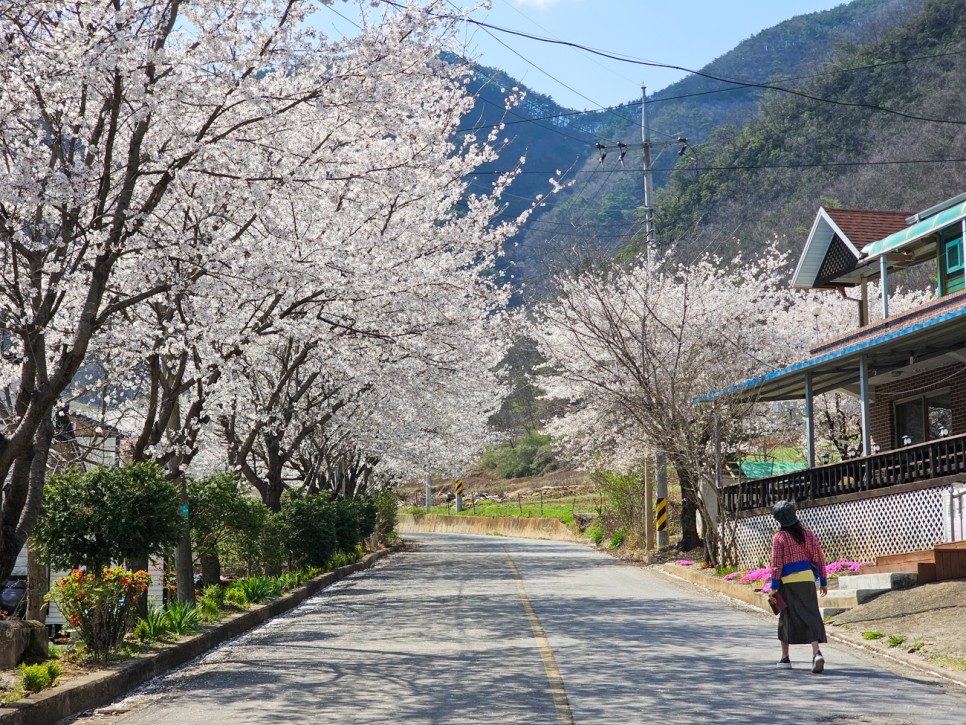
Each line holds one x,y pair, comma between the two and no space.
724,113
879,128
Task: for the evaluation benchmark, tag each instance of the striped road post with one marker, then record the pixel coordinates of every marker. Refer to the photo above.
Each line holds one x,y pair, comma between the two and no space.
459,495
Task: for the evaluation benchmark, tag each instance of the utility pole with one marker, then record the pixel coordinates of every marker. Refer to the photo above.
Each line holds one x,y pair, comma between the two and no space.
429,490
648,171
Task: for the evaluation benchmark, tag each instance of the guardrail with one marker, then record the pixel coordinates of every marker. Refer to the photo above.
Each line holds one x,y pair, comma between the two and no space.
933,459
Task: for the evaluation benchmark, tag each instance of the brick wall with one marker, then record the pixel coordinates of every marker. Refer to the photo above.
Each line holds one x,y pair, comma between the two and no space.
950,377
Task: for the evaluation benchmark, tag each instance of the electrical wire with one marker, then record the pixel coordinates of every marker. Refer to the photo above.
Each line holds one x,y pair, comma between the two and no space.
827,164
653,64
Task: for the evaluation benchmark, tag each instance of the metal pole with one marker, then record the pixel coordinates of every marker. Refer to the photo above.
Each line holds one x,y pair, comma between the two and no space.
648,181
884,281
660,476
864,396
429,490
809,422
648,509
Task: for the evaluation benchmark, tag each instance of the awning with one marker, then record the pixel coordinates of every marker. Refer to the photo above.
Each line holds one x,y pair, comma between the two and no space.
891,350
901,239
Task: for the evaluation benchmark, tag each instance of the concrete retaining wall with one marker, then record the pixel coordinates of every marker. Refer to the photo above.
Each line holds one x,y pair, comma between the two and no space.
100,688
525,528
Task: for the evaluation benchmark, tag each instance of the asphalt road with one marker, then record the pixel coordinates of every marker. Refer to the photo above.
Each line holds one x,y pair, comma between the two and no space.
466,629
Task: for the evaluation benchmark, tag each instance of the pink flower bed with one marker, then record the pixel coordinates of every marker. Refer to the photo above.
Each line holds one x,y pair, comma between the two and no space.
684,562
837,567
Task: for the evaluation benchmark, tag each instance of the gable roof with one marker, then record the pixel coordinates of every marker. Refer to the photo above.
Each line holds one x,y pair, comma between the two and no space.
835,242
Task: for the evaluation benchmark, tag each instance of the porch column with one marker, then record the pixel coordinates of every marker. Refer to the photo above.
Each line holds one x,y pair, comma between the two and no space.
884,280
809,423
864,398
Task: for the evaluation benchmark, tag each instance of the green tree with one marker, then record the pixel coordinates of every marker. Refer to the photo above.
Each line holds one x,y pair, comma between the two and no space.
107,515
218,509
308,528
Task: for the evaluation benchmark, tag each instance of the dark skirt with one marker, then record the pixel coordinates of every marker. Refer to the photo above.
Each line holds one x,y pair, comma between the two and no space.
801,621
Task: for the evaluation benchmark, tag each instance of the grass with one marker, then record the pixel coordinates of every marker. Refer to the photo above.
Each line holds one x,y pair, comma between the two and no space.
557,508
896,640
873,635
953,663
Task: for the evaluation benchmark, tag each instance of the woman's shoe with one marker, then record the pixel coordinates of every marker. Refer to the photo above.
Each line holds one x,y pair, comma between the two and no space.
818,663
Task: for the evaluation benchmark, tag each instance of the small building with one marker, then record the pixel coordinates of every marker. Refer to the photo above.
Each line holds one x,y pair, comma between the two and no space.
903,490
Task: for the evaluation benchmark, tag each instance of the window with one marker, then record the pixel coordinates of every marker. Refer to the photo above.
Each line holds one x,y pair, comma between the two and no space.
924,419
954,255
951,266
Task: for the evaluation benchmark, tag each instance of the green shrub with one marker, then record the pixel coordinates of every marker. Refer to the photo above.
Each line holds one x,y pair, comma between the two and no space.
214,593
344,558
34,678
182,617
308,527
235,596
152,627
53,670
107,514
256,589
617,539
896,640
387,507
291,580
872,635
531,454
596,534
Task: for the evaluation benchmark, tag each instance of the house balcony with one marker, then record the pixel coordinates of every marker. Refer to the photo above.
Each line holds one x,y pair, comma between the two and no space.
917,464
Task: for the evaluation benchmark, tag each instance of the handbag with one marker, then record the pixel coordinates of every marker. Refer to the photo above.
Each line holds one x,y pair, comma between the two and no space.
777,603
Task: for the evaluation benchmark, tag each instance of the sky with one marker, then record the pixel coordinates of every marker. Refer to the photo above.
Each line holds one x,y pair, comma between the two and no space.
687,33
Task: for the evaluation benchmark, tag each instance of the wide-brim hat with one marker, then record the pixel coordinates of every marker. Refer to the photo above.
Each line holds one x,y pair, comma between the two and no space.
784,513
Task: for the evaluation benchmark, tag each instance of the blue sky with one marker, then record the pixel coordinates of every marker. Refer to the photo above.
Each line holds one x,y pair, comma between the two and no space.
688,33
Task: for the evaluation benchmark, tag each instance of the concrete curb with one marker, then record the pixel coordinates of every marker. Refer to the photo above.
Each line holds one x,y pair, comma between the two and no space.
523,527
102,687
758,600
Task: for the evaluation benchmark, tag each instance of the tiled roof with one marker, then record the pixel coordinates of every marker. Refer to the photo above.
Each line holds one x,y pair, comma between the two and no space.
862,226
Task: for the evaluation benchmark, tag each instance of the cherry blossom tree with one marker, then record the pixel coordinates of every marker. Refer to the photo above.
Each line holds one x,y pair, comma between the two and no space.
184,180
632,348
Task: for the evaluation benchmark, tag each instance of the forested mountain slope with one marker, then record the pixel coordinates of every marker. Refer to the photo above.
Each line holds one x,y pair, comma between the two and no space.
600,209
888,134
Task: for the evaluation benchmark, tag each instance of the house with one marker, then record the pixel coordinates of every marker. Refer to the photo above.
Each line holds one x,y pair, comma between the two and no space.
902,490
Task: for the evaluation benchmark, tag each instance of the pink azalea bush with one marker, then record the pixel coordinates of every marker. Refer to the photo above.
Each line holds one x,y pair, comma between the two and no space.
756,575
684,562
847,567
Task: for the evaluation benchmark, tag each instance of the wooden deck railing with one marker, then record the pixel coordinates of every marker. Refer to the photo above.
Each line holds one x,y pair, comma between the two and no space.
933,459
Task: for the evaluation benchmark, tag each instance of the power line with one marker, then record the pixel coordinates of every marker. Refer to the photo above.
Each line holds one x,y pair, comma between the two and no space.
662,99
703,74
827,164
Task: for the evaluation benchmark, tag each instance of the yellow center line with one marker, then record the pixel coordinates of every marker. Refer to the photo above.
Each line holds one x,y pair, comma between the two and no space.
557,688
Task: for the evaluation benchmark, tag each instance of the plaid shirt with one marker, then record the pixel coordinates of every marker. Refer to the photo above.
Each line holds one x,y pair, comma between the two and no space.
787,555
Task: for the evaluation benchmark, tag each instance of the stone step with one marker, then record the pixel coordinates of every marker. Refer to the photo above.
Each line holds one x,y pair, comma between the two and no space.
881,582
837,602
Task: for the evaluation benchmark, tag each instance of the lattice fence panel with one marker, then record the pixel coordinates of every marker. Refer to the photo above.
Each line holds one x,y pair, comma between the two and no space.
855,530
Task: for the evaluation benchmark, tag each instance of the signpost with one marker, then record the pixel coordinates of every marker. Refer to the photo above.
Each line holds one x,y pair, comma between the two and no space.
459,495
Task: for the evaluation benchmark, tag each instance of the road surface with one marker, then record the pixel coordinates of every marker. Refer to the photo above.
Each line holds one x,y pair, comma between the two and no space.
466,629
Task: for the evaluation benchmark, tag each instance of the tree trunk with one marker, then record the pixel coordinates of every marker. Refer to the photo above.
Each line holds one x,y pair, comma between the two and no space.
38,584
689,526
210,568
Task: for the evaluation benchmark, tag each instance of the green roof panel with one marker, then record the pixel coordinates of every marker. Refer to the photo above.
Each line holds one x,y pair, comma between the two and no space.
901,239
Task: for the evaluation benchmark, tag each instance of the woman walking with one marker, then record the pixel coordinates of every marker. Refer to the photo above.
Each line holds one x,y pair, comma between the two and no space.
797,561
